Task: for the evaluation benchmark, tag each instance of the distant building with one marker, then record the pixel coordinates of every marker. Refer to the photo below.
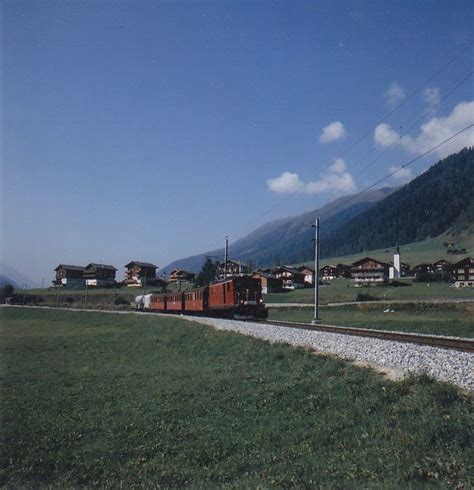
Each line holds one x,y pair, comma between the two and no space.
140,273
99,275
463,273
308,274
234,268
292,278
69,276
368,271
179,275
328,273
343,271
423,272
270,283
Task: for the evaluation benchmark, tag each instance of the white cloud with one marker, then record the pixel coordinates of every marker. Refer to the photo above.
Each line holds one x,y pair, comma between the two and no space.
433,132
285,184
432,97
335,179
394,94
332,132
403,174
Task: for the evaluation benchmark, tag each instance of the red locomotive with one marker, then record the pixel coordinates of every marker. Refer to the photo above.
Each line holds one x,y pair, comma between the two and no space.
238,297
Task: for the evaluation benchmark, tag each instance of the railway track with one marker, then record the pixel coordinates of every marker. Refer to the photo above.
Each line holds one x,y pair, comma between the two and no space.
456,343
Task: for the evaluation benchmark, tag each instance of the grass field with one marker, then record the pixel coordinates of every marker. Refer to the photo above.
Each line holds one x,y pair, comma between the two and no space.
95,399
340,290
456,320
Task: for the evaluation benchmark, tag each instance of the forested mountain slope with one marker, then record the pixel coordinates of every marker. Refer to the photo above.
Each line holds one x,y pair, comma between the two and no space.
439,200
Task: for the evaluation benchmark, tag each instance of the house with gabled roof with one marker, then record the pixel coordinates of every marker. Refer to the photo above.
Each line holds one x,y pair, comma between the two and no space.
368,271
140,273
99,275
292,278
69,276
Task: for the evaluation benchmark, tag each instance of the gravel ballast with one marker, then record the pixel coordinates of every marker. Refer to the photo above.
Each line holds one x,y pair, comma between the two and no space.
442,364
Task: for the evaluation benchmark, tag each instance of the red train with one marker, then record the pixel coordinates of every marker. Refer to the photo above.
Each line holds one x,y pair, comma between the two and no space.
238,297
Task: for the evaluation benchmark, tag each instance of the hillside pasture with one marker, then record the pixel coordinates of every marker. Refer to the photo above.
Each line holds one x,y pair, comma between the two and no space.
343,290
109,400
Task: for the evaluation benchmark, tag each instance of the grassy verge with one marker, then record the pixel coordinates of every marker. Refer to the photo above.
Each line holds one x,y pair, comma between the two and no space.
96,399
456,320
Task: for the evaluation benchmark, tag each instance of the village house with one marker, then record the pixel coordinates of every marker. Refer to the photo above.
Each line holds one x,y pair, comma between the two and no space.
343,271
369,271
179,275
292,278
308,274
234,268
463,273
270,283
69,276
99,275
140,273
423,272
443,270
328,273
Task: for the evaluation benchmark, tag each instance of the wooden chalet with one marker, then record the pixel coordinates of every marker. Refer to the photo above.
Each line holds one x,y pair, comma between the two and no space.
270,283
368,271
140,273
328,273
179,275
343,271
99,275
423,272
235,268
292,278
443,270
463,273
69,276
308,274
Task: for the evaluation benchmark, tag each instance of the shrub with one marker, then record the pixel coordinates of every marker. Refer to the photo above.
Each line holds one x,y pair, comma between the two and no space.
366,297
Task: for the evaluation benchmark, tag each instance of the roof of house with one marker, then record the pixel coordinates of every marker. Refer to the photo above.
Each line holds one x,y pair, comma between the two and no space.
288,269
238,262
266,275
93,265
422,265
367,259
141,264
464,262
305,267
182,271
70,267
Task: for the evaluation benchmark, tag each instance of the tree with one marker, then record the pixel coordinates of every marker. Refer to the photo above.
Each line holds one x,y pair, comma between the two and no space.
8,290
208,273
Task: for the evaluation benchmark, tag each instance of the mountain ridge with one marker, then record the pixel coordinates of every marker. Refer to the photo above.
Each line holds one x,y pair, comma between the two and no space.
275,240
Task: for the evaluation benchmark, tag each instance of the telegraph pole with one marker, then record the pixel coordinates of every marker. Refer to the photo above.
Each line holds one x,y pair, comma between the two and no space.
316,318
85,296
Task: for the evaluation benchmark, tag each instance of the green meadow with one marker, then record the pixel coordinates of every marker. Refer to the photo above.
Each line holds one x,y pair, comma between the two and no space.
108,400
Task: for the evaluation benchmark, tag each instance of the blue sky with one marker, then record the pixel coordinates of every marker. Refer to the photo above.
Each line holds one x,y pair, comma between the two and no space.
150,130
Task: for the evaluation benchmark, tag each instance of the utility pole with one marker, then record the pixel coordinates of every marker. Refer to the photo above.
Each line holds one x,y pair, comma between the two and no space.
316,318
85,296
226,256
57,295
24,294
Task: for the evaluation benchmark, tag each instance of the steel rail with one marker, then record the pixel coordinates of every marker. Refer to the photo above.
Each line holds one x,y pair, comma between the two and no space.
453,343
